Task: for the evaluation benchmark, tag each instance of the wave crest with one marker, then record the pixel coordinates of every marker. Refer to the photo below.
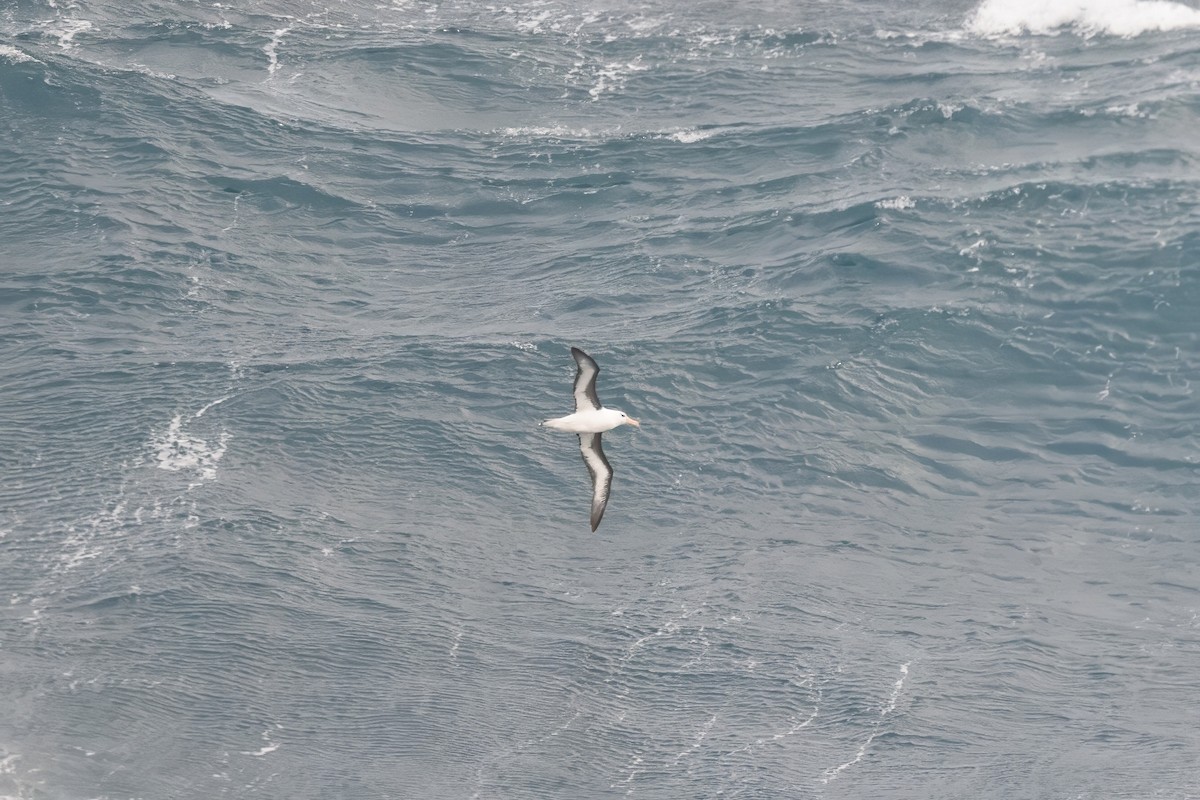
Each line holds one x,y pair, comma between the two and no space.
1089,17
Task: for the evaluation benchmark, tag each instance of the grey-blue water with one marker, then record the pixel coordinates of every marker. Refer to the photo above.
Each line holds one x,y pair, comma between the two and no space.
906,297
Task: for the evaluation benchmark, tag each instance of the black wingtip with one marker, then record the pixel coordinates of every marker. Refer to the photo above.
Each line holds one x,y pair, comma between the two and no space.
595,520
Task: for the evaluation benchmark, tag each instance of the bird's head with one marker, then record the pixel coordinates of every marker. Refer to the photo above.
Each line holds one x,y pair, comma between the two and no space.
628,420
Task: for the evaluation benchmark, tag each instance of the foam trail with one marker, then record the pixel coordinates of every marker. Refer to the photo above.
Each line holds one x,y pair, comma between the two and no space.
698,740
1114,17
272,50
832,774
200,413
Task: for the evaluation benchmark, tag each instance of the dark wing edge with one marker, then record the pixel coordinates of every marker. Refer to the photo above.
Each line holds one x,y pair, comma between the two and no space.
585,381
601,472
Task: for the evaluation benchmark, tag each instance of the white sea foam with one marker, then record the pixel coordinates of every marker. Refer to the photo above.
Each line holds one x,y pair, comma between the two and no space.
691,136
67,29
697,739
534,23
681,135
272,50
897,203
612,77
87,538
1130,110
175,449
15,56
897,687
218,401
269,747
548,132
10,781
1089,17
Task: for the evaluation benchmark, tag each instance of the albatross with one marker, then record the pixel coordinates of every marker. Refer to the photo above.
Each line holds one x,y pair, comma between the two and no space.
589,421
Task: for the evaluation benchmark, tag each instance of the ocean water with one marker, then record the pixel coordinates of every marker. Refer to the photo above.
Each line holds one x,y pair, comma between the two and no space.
905,295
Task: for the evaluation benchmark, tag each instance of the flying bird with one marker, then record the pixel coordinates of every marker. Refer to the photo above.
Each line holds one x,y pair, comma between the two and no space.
589,421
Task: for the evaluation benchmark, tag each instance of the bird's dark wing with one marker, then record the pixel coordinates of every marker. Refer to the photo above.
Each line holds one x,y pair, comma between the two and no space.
585,381
601,472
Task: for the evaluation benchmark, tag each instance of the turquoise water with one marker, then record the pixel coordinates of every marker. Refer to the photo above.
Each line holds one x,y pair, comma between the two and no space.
906,299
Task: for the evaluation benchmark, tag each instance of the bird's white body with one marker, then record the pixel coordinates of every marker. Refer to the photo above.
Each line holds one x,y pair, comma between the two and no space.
589,421
592,420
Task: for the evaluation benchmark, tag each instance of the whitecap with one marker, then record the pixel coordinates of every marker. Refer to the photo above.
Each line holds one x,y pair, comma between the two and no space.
897,203
547,132
15,56
67,29
691,136
1090,17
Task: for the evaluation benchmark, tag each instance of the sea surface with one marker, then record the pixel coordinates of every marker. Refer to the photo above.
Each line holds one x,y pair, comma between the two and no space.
905,295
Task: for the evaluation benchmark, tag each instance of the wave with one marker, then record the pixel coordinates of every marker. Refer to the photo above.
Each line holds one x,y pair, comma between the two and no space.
15,55
1087,17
